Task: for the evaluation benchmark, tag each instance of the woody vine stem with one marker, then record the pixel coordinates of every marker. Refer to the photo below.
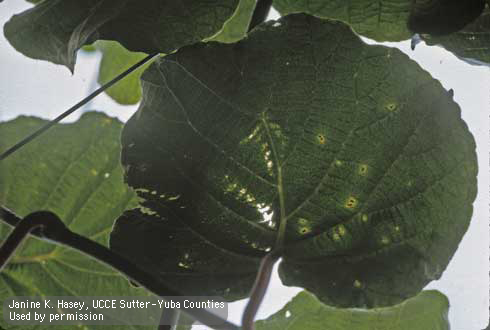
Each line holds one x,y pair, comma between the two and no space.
48,226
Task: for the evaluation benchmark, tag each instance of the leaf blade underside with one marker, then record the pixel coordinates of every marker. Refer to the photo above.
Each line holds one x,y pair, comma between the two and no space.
378,169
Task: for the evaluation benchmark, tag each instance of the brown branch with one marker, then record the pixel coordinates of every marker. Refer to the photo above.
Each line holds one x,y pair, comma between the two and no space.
48,226
259,289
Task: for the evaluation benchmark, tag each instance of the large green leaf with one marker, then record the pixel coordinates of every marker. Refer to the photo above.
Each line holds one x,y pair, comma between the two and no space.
74,171
471,44
363,153
391,20
55,29
426,311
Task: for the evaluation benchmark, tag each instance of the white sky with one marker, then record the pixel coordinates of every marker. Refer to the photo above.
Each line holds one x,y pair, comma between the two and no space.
43,89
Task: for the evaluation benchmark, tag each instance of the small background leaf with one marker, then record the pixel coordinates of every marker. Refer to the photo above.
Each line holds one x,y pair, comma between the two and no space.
426,311
116,59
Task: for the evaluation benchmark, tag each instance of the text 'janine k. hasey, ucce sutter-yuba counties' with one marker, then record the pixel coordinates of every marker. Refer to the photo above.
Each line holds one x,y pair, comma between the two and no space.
121,303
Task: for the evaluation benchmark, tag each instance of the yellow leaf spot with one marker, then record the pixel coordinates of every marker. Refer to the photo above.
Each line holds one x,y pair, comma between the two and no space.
302,221
338,162
94,172
391,106
231,187
351,202
304,230
357,284
321,139
363,168
364,218
341,230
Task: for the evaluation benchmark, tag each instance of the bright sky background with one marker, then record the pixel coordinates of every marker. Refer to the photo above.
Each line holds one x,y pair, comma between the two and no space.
30,87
